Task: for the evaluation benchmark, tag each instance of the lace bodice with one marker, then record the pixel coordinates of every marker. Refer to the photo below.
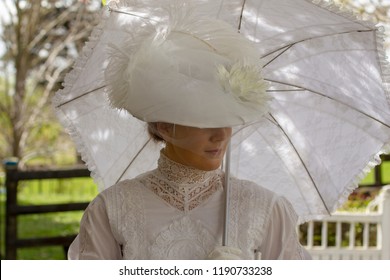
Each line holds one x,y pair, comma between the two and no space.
181,186
177,212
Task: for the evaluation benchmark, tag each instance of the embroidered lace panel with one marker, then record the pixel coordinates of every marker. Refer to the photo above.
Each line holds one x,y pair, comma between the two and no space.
184,239
181,186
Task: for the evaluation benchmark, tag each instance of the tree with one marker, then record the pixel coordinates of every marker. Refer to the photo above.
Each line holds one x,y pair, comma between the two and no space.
42,38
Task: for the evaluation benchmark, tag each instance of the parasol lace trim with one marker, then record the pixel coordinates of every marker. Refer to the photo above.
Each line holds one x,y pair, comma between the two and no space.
352,185
182,187
61,96
374,161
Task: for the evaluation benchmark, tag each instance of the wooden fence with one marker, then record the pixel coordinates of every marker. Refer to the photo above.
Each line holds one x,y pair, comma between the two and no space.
352,236
13,209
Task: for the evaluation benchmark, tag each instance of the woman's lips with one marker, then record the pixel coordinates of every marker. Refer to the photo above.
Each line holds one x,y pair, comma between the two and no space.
214,152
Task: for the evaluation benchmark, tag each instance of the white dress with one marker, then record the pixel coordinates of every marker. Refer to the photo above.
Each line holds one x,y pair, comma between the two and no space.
176,212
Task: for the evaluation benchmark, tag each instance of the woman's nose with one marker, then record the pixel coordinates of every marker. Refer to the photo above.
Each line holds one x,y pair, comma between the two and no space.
220,134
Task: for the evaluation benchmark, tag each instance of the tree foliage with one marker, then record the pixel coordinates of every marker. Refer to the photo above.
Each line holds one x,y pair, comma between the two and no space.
375,10
42,38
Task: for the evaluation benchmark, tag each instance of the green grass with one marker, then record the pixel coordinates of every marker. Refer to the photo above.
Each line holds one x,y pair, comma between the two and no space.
52,191
47,225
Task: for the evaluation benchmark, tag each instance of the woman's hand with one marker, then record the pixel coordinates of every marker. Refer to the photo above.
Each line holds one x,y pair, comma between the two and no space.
225,253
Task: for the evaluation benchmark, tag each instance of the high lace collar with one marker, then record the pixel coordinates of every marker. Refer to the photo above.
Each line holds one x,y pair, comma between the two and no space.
181,174
183,187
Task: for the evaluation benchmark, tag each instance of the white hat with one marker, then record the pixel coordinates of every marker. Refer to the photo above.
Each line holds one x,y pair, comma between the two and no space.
193,72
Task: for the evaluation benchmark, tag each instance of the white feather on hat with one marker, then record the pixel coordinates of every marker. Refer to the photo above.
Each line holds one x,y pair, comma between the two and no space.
186,70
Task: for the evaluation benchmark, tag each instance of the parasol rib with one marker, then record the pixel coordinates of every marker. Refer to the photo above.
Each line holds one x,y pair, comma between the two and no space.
286,48
330,98
308,39
134,158
241,14
301,160
266,140
281,90
77,97
131,14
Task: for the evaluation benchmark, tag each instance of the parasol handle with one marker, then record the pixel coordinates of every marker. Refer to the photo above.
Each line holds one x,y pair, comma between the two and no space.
227,195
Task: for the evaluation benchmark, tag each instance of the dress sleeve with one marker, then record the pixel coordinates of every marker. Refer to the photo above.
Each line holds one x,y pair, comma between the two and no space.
280,239
95,240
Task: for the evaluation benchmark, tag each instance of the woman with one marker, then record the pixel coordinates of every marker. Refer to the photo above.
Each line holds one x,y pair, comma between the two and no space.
191,80
176,210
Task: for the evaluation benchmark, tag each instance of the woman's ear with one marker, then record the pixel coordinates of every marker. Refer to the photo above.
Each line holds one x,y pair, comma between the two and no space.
165,130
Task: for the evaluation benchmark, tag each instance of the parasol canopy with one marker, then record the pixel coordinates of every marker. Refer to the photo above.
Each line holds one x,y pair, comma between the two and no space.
329,117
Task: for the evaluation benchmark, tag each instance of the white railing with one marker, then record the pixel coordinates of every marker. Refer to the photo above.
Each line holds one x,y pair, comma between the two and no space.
351,236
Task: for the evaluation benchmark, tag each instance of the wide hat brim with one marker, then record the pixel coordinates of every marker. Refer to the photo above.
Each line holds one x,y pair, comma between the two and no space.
186,70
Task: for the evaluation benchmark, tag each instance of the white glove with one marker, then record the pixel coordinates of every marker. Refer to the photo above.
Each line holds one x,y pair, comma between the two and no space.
225,253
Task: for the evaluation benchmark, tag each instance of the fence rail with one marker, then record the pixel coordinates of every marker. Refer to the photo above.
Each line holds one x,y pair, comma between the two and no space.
375,235
13,209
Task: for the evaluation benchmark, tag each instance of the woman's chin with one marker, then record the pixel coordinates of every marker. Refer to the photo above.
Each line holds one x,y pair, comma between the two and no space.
209,165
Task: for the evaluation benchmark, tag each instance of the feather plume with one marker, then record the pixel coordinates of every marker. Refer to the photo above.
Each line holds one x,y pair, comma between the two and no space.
244,82
175,28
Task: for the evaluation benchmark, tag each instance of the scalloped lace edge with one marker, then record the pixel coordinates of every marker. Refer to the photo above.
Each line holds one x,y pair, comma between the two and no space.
351,186
60,95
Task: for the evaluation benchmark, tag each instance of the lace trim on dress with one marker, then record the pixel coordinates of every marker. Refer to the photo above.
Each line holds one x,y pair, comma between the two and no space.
181,186
127,218
184,239
253,203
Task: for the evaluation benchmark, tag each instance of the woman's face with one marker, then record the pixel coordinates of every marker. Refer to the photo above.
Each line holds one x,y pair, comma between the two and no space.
201,148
